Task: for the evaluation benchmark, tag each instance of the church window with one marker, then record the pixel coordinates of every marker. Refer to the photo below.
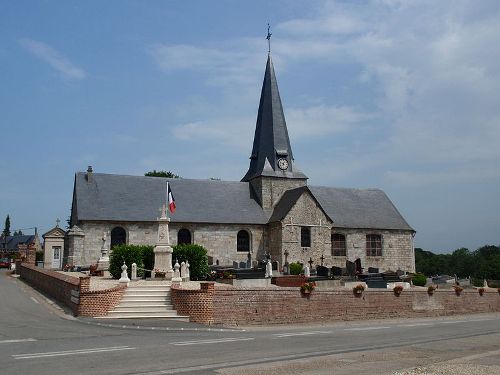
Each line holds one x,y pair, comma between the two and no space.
243,241
183,236
374,245
118,237
305,237
338,245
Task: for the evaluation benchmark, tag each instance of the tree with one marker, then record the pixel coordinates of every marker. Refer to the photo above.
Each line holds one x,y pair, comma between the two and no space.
6,228
155,173
18,233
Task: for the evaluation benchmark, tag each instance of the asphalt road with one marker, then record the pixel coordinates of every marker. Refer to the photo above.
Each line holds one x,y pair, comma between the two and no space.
37,337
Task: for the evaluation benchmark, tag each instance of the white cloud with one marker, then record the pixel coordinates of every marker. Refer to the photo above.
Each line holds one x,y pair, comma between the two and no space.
321,120
54,58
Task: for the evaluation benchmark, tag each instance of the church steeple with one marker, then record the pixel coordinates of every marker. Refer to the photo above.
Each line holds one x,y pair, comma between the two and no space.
271,153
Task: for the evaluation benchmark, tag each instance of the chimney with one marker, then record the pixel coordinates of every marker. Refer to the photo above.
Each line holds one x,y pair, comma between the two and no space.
88,176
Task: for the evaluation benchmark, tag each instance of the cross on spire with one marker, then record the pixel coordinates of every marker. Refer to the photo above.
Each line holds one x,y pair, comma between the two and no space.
57,222
268,37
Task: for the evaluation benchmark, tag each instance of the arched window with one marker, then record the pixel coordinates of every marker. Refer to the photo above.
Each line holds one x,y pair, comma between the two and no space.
305,237
183,236
243,241
374,245
118,236
338,245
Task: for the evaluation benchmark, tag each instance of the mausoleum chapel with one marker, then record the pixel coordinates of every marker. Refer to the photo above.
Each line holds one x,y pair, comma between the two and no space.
271,211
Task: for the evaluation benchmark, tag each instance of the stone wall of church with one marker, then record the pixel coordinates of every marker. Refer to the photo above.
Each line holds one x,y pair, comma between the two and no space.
219,239
397,250
306,213
270,189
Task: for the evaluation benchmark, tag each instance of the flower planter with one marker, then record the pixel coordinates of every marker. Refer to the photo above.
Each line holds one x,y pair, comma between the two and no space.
480,291
458,290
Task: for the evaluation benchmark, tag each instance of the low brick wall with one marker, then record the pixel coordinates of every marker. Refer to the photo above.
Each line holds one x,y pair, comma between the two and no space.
71,291
198,304
238,306
99,302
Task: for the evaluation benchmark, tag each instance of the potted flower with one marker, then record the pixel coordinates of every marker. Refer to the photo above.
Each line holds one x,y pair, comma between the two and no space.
431,289
358,290
159,274
397,290
307,287
481,291
458,289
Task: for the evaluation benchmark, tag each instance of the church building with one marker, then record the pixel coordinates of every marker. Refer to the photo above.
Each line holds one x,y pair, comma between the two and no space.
272,210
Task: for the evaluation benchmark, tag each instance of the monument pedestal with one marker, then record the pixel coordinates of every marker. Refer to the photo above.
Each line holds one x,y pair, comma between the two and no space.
163,260
163,250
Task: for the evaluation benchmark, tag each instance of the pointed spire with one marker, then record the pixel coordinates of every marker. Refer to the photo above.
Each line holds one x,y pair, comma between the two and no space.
271,142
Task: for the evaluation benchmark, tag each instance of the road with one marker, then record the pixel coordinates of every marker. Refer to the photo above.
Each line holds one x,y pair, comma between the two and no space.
37,337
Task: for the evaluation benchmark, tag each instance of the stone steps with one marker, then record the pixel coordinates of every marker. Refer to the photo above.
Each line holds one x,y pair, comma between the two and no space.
146,302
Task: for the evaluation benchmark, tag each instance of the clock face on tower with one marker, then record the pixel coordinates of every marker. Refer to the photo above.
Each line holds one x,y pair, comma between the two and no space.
283,164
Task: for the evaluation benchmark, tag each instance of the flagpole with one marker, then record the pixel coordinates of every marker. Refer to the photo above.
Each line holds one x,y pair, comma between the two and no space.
166,202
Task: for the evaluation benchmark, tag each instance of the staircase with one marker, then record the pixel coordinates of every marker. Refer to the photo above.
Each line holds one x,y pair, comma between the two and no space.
143,301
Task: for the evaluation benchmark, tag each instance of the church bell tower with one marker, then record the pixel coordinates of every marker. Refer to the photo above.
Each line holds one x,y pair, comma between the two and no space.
272,168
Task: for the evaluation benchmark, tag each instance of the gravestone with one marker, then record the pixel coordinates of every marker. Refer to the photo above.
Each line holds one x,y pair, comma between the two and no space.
322,271
372,270
243,265
350,268
307,273
235,265
336,271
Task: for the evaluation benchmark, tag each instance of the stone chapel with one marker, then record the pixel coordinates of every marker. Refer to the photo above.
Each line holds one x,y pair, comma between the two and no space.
272,210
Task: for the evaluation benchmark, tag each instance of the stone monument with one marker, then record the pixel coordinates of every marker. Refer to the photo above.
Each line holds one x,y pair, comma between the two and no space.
103,262
163,250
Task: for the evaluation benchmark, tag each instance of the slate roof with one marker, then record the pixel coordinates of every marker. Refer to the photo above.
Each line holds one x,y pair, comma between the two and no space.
110,197
139,198
359,208
271,139
12,242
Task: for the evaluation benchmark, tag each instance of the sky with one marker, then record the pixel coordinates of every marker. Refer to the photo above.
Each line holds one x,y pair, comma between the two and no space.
397,95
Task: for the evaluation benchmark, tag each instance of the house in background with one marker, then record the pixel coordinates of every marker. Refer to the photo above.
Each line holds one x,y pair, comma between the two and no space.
26,245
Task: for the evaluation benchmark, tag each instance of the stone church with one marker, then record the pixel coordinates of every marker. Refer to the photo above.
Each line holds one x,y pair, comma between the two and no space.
272,210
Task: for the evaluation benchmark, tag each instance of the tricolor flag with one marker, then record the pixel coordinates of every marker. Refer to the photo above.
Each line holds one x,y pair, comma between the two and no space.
170,199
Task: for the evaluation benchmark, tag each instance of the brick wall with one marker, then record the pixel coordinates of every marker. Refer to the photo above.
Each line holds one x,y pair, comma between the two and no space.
99,302
55,284
246,306
198,304
71,291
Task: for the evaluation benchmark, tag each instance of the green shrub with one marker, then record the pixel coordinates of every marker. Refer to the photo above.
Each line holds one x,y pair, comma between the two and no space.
130,254
148,259
419,279
197,257
39,256
295,268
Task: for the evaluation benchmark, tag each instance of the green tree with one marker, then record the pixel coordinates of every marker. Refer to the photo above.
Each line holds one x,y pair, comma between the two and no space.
197,257
6,228
128,254
155,173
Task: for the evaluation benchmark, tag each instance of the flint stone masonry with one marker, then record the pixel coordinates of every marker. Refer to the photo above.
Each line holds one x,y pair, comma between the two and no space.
218,239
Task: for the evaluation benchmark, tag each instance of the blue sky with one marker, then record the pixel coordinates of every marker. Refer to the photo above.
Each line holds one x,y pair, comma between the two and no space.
398,95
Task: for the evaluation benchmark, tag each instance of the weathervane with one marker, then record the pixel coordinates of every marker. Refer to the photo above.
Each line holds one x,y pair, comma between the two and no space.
268,37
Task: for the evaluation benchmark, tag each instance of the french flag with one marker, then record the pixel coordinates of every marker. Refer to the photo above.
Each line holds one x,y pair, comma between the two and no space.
170,199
